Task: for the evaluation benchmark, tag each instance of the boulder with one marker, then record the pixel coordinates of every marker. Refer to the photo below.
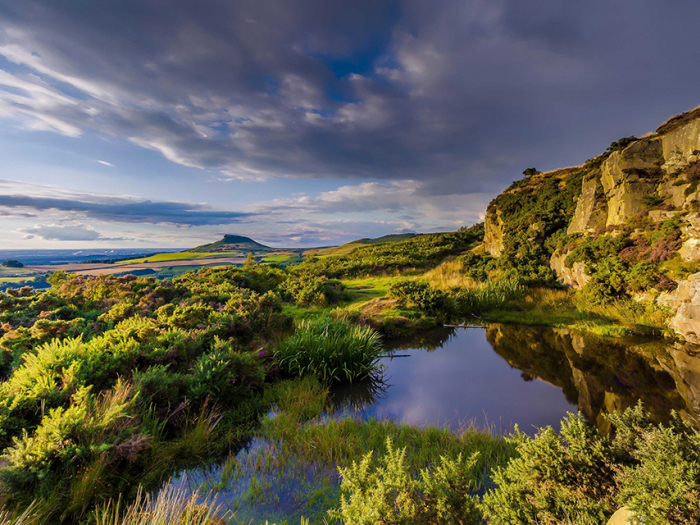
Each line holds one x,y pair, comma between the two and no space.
576,276
625,181
493,232
623,516
673,194
685,300
690,251
591,207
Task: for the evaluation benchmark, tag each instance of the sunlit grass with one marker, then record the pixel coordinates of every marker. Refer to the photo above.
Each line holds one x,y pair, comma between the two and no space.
563,308
450,274
170,507
179,256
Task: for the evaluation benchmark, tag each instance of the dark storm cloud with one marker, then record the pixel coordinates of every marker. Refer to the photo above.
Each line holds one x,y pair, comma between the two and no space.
17,197
459,95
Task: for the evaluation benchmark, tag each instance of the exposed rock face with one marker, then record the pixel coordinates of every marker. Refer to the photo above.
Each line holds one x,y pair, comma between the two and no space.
493,232
686,301
624,188
672,193
683,141
575,276
690,251
591,208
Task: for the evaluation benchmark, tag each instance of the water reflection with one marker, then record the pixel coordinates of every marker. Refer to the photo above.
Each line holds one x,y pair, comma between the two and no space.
601,374
457,379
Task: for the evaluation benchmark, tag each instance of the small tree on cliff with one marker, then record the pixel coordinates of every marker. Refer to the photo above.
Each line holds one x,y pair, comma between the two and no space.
530,172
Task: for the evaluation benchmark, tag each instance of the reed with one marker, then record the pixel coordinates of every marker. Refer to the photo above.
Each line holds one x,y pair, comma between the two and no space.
172,506
332,350
487,296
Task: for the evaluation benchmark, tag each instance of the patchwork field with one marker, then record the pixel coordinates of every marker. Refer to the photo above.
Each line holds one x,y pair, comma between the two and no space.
108,269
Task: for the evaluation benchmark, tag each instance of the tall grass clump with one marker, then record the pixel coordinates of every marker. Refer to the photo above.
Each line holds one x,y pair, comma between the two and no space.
490,295
172,506
333,350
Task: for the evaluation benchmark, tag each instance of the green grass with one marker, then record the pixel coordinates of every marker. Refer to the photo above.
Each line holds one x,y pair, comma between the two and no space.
12,280
368,288
568,309
332,350
180,256
334,250
282,258
15,271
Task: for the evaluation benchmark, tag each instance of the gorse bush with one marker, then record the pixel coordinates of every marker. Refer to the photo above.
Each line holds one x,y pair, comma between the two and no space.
458,301
307,289
389,493
100,371
582,477
331,350
421,295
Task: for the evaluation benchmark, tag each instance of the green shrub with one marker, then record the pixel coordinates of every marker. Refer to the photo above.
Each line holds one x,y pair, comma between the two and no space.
421,295
308,289
607,280
389,494
331,350
580,476
664,485
558,478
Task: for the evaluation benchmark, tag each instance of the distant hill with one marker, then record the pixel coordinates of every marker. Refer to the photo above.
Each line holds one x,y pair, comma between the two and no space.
232,243
344,249
387,238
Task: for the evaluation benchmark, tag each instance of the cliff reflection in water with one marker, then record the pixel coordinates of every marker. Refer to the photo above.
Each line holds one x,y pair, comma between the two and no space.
502,375
602,374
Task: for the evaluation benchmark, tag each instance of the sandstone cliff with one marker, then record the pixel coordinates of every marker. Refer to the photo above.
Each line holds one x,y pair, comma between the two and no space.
631,212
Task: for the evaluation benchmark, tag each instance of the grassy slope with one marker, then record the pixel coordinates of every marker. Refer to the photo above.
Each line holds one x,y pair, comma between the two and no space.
345,249
4,271
335,250
180,256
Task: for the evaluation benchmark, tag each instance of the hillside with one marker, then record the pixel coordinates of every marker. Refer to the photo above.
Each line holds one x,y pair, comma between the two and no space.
232,243
623,225
346,248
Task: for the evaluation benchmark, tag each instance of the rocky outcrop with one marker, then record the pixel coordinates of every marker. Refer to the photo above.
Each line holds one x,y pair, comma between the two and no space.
690,251
623,516
591,207
576,276
673,193
626,179
683,141
493,232
685,300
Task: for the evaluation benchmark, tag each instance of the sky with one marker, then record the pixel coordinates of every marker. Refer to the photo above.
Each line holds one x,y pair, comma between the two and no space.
167,123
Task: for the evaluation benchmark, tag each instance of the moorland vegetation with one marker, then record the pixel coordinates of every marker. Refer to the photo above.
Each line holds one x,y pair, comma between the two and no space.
112,385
